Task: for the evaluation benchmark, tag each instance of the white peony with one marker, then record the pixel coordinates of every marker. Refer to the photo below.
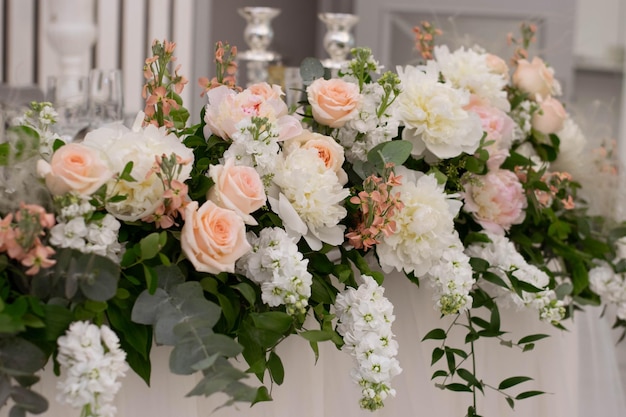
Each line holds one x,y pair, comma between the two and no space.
140,146
308,198
425,226
469,70
433,114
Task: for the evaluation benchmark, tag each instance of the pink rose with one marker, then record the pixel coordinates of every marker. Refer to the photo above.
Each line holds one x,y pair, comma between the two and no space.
499,128
226,108
334,101
238,188
495,200
550,117
75,167
213,238
497,65
327,149
534,77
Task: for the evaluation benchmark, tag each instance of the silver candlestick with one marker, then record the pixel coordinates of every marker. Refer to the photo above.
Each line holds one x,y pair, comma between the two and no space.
338,40
258,34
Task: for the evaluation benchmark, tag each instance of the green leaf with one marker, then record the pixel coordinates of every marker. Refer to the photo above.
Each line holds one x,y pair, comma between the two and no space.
435,334
262,395
317,335
20,357
275,321
438,374
275,366
437,354
494,279
29,400
125,174
149,246
458,387
395,152
532,338
511,382
511,403
310,70
247,291
97,276
197,345
528,394
469,377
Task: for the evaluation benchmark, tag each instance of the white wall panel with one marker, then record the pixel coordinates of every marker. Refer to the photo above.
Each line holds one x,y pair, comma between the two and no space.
20,42
133,53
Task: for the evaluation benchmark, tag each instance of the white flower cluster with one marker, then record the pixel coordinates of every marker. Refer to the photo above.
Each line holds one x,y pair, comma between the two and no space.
424,227
522,115
468,69
76,228
452,279
309,198
608,284
360,135
92,361
255,146
434,115
365,318
141,146
504,259
279,267
41,118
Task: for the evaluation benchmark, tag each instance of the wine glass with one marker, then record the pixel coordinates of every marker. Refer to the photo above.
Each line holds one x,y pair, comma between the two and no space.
69,94
106,101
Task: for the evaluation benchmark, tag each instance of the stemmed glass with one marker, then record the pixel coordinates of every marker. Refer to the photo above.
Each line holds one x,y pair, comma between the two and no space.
106,101
69,94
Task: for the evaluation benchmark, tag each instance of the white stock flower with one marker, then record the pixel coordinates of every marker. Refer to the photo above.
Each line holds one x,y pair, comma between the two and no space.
139,146
276,264
364,321
504,258
433,114
91,361
469,70
308,198
452,278
424,227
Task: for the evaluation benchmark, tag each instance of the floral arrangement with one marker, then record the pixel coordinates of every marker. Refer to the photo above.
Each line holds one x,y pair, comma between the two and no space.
221,239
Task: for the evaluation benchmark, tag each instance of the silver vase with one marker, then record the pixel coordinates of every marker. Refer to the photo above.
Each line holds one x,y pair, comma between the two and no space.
338,40
258,34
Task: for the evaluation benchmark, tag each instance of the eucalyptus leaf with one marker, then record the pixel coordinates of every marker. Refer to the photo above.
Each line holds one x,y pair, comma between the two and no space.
217,378
310,70
20,357
395,152
29,400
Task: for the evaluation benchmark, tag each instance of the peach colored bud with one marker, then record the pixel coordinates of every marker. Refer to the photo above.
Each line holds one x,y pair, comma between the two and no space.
550,117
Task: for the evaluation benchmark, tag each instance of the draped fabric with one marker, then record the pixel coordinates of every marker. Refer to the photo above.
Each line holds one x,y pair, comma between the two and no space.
577,368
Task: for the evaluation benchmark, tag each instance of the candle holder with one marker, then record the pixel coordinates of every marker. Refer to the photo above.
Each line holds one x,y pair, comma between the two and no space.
72,32
258,34
338,40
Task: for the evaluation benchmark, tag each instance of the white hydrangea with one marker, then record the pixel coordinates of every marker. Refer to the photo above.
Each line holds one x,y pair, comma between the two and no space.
276,264
360,135
260,152
504,258
433,114
76,228
91,362
365,316
571,150
468,69
308,198
608,284
424,227
140,146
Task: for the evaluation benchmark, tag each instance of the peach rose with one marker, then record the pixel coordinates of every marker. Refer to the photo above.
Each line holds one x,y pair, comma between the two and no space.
75,167
334,101
534,77
550,117
213,238
496,200
327,149
238,188
497,65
